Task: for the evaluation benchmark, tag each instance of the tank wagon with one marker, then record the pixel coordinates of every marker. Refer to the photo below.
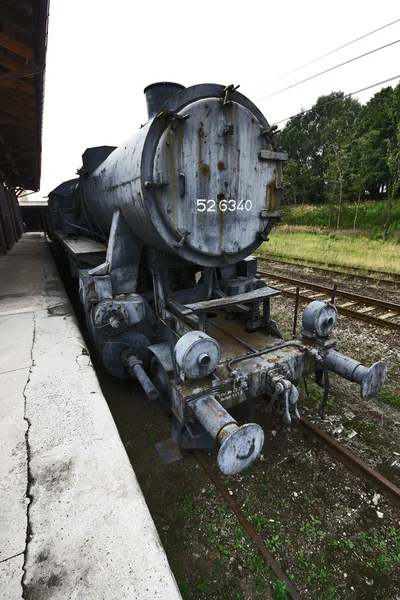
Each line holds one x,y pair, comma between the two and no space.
160,232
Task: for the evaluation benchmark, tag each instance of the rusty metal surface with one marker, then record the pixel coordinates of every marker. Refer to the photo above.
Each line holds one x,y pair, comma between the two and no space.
265,553
255,295
342,293
352,462
341,310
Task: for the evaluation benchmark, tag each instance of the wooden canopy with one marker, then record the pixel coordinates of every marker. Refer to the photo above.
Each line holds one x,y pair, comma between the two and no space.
23,42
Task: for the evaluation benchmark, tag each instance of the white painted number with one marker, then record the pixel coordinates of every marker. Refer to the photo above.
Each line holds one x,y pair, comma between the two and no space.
223,205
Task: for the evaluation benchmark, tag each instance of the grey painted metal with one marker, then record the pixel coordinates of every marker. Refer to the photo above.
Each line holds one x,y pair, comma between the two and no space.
319,318
212,415
163,353
197,354
136,368
157,177
127,311
371,379
79,245
240,446
239,450
123,253
157,95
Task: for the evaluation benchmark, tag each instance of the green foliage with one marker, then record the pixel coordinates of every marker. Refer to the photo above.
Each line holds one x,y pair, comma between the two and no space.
280,591
312,529
341,151
370,216
388,397
187,505
334,249
382,553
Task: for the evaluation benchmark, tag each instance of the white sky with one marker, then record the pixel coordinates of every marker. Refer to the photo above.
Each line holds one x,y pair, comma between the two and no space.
102,54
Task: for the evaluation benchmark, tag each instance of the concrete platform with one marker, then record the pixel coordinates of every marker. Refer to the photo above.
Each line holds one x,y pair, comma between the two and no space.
73,521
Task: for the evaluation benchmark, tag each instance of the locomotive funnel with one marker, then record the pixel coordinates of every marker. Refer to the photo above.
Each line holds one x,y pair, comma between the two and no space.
157,95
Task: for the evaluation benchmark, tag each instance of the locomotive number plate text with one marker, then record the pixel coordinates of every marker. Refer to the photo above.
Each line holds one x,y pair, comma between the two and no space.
211,205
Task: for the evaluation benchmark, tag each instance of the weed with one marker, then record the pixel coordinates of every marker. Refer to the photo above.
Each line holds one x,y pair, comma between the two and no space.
311,528
366,425
273,543
259,521
280,591
223,550
309,501
202,586
320,576
211,541
187,505
284,503
382,553
302,560
388,397
258,563
152,438
343,544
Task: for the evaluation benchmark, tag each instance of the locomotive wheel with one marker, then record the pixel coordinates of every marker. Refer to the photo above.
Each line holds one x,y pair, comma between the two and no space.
160,380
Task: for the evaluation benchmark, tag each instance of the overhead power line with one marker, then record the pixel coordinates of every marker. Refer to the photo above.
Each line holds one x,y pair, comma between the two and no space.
304,112
289,87
327,54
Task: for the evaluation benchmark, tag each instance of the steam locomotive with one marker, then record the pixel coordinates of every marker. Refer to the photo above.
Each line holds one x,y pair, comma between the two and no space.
160,232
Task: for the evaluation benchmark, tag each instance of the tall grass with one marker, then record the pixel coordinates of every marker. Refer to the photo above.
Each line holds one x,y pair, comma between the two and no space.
345,250
371,216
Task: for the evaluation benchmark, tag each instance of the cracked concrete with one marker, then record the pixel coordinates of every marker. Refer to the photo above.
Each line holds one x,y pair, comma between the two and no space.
73,521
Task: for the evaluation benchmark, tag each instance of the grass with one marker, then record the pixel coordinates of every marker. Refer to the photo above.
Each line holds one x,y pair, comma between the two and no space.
388,397
343,250
371,216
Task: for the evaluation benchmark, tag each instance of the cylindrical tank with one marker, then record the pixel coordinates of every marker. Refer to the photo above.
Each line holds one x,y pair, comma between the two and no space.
199,179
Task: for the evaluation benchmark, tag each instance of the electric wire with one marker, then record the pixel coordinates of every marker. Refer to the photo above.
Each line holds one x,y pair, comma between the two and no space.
289,87
325,55
304,112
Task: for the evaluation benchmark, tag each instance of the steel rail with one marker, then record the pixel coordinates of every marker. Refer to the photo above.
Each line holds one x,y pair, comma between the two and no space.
345,311
352,462
266,554
305,263
322,288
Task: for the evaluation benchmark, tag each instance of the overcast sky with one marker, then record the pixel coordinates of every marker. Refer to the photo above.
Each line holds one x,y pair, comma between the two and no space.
102,54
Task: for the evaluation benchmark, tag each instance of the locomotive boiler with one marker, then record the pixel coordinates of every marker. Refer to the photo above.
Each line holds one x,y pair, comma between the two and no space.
160,232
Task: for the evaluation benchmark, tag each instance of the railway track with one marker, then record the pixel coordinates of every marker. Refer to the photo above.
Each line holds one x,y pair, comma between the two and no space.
372,276
339,452
371,310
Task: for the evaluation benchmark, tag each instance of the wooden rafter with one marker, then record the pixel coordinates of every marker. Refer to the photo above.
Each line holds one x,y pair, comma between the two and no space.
15,46
18,84
12,63
23,40
10,108
18,19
